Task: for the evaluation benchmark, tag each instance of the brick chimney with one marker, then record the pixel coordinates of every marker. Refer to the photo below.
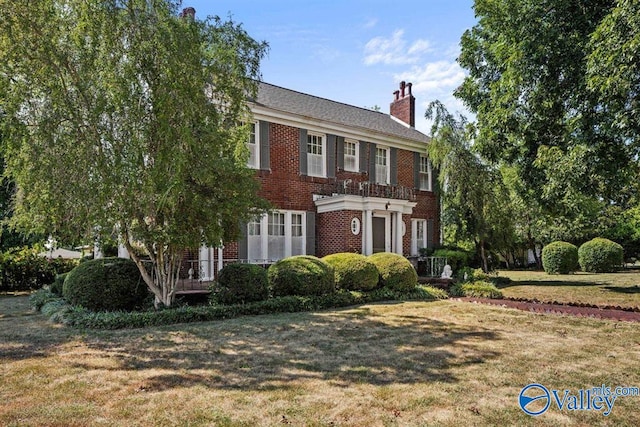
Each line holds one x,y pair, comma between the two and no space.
188,12
403,106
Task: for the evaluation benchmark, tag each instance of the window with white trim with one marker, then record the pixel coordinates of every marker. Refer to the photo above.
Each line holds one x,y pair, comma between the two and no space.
253,144
351,155
425,173
418,235
276,235
254,240
276,241
382,165
315,154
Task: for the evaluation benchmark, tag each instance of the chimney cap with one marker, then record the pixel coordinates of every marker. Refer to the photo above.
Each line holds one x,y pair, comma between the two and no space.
188,12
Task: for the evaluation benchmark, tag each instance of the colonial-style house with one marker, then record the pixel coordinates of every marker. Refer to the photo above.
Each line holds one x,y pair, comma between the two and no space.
341,178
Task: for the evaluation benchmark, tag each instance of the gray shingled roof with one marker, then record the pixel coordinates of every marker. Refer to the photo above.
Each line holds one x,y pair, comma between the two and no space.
302,104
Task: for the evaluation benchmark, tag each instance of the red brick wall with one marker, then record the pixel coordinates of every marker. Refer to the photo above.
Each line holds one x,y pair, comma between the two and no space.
334,233
286,189
404,109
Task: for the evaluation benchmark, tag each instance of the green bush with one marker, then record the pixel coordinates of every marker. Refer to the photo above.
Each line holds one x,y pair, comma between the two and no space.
301,275
23,269
457,259
241,283
353,271
105,284
600,256
395,271
58,283
559,258
477,289
80,317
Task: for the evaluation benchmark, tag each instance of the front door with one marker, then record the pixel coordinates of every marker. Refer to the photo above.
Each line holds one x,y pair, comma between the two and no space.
380,235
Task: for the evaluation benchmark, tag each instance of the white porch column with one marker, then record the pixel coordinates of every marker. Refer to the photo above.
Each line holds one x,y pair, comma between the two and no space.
398,233
205,263
220,258
367,232
123,252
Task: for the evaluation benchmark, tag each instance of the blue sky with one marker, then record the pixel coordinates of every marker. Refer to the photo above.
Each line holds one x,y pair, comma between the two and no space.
357,51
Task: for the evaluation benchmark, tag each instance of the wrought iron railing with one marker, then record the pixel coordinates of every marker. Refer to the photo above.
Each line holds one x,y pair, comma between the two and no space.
369,189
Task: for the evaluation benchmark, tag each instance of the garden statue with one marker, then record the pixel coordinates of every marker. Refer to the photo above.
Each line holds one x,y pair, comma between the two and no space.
447,273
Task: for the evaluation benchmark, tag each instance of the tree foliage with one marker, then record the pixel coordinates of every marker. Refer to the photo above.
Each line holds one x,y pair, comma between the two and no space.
528,85
122,117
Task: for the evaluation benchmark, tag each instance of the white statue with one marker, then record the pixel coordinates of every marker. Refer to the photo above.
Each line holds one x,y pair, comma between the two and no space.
447,273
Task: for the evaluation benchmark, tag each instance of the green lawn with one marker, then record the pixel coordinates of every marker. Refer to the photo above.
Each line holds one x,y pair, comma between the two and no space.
445,363
615,289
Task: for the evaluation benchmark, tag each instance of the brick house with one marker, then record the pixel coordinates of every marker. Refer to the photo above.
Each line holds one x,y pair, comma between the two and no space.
341,179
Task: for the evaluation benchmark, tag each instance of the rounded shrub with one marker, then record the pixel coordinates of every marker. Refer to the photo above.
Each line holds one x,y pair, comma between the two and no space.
559,258
395,271
353,272
600,255
105,284
301,275
240,283
58,283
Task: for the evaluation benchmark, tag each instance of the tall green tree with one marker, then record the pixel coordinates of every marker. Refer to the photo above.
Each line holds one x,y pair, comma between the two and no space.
123,117
613,69
528,85
472,194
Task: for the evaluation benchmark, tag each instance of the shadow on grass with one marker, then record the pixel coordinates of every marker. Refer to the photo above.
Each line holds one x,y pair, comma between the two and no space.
546,283
623,289
343,347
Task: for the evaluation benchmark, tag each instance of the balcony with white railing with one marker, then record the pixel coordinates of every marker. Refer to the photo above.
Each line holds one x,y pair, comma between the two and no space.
369,189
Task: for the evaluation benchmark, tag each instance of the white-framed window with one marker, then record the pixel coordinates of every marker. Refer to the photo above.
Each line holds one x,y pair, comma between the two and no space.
425,173
351,155
253,144
315,154
382,165
418,235
276,235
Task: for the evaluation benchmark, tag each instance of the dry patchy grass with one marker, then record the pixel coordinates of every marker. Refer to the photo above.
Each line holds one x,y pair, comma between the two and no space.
438,363
614,289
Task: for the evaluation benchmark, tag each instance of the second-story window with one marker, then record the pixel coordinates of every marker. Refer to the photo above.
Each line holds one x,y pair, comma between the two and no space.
315,155
382,165
351,155
425,173
254,147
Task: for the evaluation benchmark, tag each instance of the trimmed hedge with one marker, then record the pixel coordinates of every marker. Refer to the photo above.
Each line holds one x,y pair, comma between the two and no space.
105,284
240,283
600,256
559,258
302,275
82,318
353,272
395,271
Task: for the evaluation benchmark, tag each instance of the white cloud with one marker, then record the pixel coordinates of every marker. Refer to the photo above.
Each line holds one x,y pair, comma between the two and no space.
370,23
394,50
431,81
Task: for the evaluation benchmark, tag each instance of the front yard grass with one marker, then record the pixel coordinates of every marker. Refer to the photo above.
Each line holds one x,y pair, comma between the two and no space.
445,363
604,289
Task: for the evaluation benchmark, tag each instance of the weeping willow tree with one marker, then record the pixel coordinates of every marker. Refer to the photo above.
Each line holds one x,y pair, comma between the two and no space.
123,117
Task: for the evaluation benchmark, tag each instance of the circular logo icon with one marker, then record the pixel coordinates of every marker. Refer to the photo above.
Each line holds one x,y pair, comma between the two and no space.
534,399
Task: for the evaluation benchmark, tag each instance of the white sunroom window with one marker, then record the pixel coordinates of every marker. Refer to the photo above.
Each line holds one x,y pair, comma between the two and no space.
315,155
276,235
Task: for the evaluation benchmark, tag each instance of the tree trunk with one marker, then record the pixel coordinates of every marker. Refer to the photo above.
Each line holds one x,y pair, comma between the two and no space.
163,275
